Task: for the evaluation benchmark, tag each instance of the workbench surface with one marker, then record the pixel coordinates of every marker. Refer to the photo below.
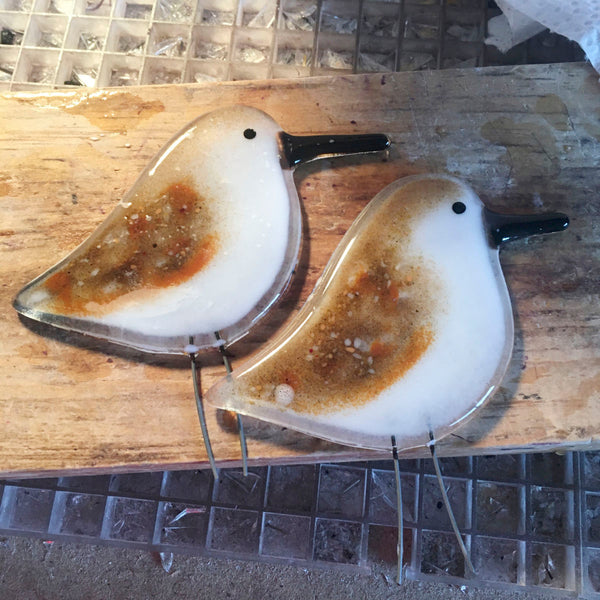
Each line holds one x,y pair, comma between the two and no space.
525,138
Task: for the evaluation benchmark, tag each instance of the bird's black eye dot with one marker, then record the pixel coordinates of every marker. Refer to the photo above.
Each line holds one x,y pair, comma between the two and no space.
249,134
459,208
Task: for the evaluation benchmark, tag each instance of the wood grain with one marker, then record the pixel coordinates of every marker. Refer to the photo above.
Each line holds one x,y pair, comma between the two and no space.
526,138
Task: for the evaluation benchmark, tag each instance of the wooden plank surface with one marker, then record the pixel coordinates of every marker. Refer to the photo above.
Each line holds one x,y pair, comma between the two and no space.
526,138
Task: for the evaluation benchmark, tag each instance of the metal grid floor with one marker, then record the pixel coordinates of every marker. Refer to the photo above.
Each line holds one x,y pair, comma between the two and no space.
529,521
101,43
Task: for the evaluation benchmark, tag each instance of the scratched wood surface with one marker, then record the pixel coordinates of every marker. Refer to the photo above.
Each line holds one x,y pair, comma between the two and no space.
525,138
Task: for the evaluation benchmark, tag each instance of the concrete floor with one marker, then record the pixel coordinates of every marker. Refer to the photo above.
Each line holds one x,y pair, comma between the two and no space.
33,570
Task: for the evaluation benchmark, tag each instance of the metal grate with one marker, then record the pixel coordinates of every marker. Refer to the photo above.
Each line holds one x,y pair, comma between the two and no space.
530,521
99,43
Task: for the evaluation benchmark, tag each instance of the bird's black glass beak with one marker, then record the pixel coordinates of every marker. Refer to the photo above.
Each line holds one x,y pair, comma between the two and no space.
298,149
504,228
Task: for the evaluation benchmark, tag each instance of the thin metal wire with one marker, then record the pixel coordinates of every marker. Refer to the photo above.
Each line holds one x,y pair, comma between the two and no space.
243,444
400,542
438,473
95,6
202,417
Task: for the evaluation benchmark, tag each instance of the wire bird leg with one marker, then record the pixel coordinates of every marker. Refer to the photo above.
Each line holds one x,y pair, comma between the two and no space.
240,425
202,417
400,543
438,474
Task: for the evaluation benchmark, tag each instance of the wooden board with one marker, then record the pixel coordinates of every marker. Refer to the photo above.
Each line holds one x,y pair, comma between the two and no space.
526,138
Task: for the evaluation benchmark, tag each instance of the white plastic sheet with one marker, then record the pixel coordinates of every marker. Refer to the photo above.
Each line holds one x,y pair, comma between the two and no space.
578,20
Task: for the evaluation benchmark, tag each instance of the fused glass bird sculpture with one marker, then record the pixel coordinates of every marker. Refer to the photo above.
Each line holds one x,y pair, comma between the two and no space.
205,241
201,246
408,330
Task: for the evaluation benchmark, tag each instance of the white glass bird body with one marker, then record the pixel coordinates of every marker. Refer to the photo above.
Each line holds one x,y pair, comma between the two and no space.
205,241
408,330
